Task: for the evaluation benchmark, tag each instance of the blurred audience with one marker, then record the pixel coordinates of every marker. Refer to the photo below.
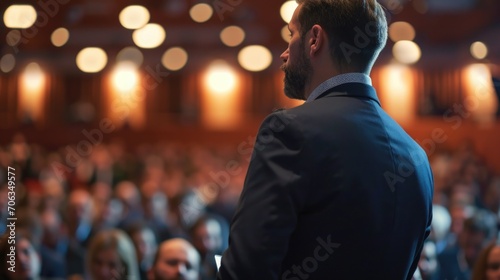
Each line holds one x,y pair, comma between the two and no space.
457,261
171,190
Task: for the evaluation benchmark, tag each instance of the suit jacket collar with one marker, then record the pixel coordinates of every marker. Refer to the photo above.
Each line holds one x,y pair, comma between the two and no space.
357,90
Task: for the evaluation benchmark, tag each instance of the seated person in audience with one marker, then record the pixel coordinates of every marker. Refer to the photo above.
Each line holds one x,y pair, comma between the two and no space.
145,246
461,207
53,265
456,262
109,215
492,196
130,197
440,229
206,235
80,229
428,264
175,259
487,266
155,206
27,261
111,255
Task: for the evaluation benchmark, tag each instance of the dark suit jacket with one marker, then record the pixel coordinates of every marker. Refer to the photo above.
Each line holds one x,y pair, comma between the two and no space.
336,189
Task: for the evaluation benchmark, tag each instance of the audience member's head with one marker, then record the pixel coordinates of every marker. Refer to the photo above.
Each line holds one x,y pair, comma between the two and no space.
101,192
461,207
110,215
128,193
477,232
488,264
111,255
53,193
79,206
175,259
27,261
154,201
428,263
144,240
441,222
206,235
492,196
52,225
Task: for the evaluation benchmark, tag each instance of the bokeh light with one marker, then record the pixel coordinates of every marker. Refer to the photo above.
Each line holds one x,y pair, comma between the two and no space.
130,54
91,60
174,58
406,52
479,50
287,9
401,30
232,36
220,77
19,16
150,36
201,12
7,63
60,37
255,58
134,17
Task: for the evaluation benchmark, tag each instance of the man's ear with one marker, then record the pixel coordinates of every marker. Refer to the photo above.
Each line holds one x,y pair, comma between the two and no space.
317,39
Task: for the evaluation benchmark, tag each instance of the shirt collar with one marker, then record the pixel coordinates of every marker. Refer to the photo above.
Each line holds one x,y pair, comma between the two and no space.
337,81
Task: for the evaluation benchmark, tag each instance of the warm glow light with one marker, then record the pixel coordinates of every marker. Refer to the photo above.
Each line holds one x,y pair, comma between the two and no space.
285,33
150,36
221,100
31,92
33,76
130,54
480,93
287,9
397,92
406,52
255,58
125,77
60,37
479,50
19,16
91,60
401,30
124,88
7,63
220,78
134,17
174,58
13,37
232,36
201,12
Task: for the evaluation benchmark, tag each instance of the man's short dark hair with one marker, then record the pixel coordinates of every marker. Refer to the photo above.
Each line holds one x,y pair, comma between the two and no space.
357,29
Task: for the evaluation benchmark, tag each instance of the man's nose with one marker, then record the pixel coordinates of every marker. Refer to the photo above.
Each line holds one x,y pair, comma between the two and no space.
284,56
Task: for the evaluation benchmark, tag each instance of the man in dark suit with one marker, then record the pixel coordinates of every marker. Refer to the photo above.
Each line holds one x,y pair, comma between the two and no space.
335,189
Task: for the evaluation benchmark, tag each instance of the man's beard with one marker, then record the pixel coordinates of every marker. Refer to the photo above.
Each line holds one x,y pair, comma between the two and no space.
297,76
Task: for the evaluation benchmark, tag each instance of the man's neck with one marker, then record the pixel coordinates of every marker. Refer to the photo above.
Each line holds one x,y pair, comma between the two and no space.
317,80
